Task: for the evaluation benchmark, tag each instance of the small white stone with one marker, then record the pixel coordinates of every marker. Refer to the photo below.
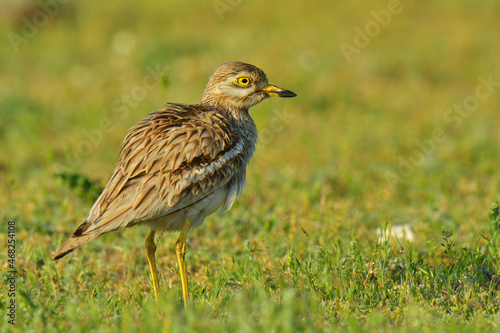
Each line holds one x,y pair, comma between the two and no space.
398,232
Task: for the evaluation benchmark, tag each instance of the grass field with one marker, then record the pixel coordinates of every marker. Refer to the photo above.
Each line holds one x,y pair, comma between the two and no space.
395,126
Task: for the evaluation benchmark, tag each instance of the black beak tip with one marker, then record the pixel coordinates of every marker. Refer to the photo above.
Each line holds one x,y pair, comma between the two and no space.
287,93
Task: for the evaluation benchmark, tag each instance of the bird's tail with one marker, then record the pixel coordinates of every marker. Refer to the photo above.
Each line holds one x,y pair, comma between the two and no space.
73,243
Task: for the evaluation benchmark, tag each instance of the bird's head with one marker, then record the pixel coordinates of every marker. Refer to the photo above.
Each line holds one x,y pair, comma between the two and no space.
237,85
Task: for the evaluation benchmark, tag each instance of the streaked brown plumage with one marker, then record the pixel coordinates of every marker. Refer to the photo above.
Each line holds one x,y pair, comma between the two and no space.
180,164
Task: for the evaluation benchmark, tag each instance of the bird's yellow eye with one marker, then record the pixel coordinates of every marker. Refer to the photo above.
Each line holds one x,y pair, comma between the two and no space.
243,81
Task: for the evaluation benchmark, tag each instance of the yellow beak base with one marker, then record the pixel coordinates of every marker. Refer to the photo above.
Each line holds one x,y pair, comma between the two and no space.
273,90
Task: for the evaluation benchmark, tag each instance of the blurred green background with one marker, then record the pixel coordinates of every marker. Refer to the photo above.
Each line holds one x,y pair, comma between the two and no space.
357,148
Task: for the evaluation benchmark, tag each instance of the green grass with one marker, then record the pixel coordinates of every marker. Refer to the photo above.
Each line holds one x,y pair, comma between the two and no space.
299,251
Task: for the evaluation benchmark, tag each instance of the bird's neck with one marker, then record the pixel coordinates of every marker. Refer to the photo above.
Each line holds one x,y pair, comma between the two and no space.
239,118
230,110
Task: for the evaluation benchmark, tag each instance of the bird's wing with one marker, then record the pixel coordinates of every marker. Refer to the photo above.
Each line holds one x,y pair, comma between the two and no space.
169,161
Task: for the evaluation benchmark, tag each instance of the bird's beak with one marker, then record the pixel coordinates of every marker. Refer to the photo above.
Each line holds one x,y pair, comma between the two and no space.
277,91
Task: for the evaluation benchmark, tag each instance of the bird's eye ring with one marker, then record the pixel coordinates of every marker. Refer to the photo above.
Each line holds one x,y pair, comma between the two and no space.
243,81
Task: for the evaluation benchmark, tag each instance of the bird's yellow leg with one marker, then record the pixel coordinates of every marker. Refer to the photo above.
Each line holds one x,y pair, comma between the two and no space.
150,251
180,250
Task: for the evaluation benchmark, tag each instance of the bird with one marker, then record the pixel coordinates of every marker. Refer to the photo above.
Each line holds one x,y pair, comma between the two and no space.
181,164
